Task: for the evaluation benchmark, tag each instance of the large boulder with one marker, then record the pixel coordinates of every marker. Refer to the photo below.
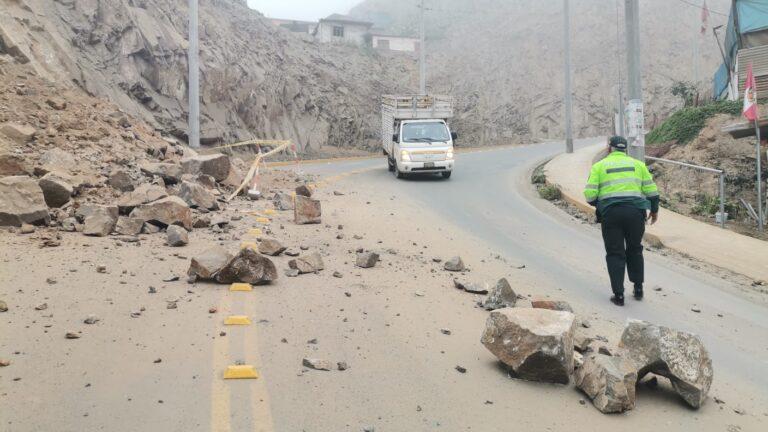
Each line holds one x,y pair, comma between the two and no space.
21,133
307,264
197,196
22,201
145,193
306,210
216,165
167,211
56,189
501,296
121,180
205,265
99,225
129,226
609,381
176,236
537,344
170,173
677,355
282,201
248,266
13,165
86,210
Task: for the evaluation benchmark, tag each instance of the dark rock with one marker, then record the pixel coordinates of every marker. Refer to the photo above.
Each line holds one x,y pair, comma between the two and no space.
317,364
304,191
216,165
56,190
366,259
282,201
454,264
248,266
206,264
306,211
271,247
501,296
121,180
176,236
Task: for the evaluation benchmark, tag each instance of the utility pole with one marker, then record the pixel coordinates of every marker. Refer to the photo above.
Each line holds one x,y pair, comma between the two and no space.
568,91
619,78
422,54
194,78
634,82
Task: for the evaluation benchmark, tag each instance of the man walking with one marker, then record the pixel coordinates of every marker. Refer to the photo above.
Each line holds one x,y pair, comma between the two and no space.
623,191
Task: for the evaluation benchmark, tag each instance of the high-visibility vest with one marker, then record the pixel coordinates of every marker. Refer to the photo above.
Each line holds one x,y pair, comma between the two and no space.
619,176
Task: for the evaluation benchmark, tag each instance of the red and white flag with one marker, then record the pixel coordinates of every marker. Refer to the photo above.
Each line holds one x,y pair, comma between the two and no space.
704,18
750,96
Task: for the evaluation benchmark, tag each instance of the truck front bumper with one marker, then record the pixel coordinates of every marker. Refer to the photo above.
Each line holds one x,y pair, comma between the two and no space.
426,167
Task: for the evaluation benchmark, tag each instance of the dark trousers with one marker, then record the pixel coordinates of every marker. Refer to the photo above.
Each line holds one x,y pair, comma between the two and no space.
623,228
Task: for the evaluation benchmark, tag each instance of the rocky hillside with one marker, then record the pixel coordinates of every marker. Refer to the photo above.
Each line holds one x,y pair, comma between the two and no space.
503,59
258,81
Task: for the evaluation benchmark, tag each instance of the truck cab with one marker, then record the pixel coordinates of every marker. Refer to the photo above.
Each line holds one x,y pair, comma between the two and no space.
422,146
416,136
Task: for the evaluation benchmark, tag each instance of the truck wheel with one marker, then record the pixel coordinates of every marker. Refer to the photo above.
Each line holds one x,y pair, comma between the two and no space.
446,174
390,164
399,174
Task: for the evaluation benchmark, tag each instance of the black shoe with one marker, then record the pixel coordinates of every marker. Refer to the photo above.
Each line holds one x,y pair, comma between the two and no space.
638,293
618,300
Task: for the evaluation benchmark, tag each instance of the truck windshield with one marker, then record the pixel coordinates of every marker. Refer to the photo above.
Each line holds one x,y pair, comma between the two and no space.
425,132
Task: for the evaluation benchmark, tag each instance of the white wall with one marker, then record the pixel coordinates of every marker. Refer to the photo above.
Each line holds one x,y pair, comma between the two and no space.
397,43
353,33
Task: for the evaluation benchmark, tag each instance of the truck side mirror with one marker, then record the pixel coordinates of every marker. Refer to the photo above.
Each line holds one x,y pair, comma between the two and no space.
395,138
454,136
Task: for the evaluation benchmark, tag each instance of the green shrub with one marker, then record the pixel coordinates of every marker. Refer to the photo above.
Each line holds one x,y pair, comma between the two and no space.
550,192
538,176
684,125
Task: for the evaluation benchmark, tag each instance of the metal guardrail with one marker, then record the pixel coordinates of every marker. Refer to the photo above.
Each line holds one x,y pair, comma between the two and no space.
719,172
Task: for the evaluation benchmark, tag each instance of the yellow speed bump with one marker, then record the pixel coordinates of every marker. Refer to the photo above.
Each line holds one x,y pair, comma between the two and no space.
262,220
237,320
240,287
269,212
255,232
240,372
251,245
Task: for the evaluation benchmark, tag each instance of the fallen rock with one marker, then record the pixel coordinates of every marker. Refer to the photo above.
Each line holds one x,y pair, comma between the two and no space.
128,226
342,366
21,133
248,266
170,173
201,221
502,296
145,193
99,224
91,319
282,201
13,165
57,103
72,335
91,209
317,364
366,259
22,201
557,305
471,287
197,196
454,264
306,211
307,264
176,236
292,272
677,355
121,180
27,228
271,247
536,343
3,306
608,381
56,190
167,211
581,343
69,224
205,265
216,165
304,191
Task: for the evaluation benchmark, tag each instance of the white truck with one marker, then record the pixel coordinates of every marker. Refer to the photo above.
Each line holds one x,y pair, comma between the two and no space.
415,134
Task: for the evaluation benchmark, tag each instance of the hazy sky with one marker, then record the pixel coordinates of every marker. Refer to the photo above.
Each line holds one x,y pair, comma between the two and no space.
308,10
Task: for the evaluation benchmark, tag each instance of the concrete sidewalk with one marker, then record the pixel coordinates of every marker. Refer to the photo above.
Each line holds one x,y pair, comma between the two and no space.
739,253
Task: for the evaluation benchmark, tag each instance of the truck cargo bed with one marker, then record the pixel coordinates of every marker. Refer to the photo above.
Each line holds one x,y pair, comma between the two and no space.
407,107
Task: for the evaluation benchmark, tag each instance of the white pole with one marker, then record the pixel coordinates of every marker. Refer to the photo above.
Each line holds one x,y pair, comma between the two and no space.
194,77
568,91
422,55
634,77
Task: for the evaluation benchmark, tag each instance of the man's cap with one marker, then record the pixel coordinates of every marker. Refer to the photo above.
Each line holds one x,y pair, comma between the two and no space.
618,142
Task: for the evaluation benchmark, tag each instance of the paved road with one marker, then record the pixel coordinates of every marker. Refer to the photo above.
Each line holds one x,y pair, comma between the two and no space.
490,197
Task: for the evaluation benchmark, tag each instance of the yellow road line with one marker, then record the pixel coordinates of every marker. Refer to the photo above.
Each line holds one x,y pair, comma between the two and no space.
260,406
220,408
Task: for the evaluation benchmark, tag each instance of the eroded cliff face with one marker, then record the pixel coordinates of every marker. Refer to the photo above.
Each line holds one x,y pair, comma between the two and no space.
257,81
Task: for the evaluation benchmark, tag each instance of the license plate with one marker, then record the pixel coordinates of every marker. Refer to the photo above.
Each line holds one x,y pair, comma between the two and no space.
429,164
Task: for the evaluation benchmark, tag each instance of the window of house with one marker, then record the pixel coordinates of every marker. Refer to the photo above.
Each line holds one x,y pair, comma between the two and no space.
383,44
338,31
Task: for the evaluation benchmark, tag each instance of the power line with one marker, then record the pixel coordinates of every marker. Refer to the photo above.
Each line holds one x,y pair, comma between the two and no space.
700,6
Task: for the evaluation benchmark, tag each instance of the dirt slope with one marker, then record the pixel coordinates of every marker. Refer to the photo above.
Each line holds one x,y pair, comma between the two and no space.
257,80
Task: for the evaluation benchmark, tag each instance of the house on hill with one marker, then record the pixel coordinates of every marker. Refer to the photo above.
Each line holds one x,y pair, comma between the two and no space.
384,41
337,28
746,42
295,26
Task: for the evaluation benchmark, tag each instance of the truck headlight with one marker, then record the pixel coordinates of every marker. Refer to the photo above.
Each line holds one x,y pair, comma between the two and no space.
449,155
405,156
